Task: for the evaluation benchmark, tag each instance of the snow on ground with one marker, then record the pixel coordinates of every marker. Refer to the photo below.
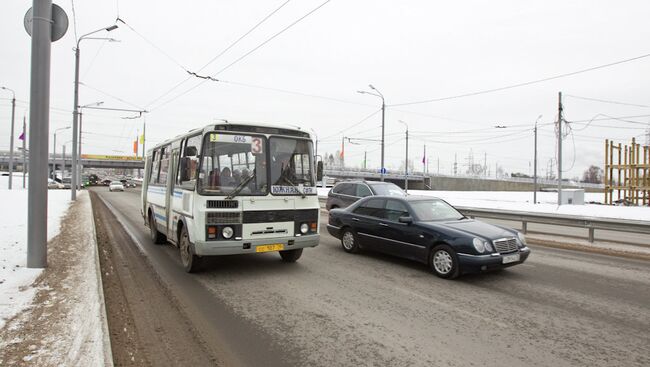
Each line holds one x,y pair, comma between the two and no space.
15,277
523,201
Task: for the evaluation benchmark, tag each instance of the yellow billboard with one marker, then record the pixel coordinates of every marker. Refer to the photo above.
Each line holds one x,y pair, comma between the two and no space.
110,157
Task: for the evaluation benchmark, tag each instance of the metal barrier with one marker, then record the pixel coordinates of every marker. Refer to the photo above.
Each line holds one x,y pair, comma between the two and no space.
590,223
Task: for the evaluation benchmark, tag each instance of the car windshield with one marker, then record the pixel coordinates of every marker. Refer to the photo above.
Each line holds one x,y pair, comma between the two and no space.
233,163
291,166
430,210
389,189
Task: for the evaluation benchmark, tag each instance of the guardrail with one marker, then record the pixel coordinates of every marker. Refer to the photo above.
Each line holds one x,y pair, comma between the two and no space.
590,223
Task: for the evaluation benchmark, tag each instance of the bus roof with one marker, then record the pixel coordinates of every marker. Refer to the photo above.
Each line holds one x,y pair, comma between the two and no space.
243,126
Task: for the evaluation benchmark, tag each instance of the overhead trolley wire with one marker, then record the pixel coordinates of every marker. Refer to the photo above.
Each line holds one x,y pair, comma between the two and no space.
492,90
193,74
213,76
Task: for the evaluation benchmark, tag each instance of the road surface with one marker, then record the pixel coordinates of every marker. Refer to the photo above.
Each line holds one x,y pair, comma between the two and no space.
561,308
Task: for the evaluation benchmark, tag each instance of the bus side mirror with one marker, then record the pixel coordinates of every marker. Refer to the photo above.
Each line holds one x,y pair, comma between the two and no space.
185,172
190,151
319,170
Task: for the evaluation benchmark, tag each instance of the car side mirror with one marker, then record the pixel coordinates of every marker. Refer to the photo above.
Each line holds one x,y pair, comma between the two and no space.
319,170
406,219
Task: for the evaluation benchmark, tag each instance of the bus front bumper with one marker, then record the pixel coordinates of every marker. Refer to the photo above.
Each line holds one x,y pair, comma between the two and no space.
215,248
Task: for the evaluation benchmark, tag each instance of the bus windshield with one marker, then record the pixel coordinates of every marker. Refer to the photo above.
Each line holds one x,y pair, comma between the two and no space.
232,163
291,166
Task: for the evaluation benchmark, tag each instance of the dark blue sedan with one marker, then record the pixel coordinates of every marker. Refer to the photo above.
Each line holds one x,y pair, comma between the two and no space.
428,230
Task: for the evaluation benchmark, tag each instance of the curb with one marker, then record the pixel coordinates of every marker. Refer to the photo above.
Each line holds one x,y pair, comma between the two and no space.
106,340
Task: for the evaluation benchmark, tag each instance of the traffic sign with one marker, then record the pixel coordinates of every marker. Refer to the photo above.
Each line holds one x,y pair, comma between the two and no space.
383,170
59,22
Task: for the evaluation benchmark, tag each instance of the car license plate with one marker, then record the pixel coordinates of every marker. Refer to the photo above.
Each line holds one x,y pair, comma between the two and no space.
267,248
510,258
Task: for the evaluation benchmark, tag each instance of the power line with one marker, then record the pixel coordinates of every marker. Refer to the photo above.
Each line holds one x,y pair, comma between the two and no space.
213,76
485,91
110,95
608,101
218,55
353,125
152,44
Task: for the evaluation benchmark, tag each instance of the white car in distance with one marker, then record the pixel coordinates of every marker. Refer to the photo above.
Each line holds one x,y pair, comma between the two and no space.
115,186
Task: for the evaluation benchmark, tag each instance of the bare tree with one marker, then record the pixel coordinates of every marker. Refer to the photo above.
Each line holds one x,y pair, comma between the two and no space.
593,174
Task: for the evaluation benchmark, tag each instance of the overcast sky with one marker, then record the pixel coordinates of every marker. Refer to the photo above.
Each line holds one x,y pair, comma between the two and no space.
409,50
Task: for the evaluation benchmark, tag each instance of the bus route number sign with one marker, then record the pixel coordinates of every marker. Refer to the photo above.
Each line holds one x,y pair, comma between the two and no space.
256,145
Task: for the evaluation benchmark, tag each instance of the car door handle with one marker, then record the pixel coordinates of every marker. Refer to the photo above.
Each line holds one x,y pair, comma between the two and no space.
383,224
355,219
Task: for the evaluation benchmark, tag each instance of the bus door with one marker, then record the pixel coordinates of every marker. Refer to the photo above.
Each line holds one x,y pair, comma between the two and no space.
169,198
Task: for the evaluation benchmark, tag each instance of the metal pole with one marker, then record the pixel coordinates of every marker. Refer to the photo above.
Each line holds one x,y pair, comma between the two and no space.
75,126
63,165
144,136
11,144
54,159
406,168
25,149
39,107
343,152
535,168
559,150
383,115
79,148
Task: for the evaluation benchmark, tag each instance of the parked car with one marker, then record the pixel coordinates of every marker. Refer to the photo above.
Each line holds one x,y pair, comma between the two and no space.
428,230
51,184
115,186
347,192
67,182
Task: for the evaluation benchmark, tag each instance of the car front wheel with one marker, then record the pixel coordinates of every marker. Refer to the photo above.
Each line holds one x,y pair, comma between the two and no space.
444,262
349,241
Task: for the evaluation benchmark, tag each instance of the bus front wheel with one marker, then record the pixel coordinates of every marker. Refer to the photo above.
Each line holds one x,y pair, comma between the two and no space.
191,262
290,256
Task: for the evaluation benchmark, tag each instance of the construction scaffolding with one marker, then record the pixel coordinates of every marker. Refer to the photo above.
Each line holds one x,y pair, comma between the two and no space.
629,176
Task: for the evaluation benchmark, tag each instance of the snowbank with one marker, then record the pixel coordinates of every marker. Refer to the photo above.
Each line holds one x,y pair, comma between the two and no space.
15,278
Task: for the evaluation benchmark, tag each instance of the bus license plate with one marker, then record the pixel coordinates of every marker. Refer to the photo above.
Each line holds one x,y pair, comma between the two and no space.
267,248
510,258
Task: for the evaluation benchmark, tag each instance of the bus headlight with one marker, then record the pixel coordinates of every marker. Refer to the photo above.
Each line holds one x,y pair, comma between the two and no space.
227,232
304,228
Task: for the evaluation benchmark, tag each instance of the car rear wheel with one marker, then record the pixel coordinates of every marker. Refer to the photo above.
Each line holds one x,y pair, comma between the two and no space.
157,237
349,241
290,256
444,262
191,262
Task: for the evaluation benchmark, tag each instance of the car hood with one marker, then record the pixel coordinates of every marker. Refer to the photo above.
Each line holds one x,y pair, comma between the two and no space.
472,227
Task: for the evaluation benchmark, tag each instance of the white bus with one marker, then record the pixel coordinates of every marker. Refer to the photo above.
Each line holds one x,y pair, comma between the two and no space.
233,188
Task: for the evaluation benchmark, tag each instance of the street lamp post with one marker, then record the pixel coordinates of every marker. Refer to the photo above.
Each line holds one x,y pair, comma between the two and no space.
383,116
535,164
54,153
75,113
11,137
406,162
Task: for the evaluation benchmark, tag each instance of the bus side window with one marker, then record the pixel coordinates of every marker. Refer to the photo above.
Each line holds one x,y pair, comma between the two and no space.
189,163
155,167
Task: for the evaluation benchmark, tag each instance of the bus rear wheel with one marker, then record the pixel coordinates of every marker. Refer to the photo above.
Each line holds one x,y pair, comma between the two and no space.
157,237
291,256
191,262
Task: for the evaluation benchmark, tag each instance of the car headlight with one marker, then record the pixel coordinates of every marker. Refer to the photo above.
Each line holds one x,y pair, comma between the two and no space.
479,245
522,238
304,228
488,246
227,232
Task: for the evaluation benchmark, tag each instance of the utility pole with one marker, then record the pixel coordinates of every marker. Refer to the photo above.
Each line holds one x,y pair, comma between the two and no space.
25,149
406,161
144,137
485,164
559,150
455,164
11,137
535,164
343,152
63,165
383,120
365,157
424,160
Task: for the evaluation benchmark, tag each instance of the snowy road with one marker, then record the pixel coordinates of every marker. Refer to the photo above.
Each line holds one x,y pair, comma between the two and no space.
561,308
